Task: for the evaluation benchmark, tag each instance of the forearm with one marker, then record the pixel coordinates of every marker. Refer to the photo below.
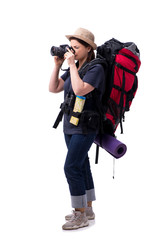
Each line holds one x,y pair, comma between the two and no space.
55,83
77,82
79,87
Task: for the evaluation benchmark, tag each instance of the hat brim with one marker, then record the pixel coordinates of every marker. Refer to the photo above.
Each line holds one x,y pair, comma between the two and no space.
91,43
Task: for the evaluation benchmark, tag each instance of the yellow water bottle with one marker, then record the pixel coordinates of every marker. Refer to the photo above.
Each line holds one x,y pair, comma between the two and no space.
78,107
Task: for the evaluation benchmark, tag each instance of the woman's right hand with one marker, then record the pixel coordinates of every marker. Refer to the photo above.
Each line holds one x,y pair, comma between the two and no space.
58,61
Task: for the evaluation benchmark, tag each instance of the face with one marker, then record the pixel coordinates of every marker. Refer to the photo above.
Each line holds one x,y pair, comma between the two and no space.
81,52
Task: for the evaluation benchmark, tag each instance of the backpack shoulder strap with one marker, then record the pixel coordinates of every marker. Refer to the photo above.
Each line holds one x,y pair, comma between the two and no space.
87,66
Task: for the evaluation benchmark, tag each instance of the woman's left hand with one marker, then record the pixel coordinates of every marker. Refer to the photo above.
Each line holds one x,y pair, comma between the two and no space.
70,57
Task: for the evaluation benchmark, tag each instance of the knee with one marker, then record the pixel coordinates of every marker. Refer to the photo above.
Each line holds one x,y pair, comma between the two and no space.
67,171
71,171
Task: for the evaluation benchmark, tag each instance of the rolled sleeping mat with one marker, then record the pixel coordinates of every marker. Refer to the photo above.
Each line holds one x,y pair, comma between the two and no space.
113,146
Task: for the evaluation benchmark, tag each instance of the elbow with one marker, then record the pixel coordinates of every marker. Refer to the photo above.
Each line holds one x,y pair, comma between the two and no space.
83,90
78,92
52,90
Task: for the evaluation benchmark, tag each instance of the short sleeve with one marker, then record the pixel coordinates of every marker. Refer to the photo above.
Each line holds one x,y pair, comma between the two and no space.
95,76
65,75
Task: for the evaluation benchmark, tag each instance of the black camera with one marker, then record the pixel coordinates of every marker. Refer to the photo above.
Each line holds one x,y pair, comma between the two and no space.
61,50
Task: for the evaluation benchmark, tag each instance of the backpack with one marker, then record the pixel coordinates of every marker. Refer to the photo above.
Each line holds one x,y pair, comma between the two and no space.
121,62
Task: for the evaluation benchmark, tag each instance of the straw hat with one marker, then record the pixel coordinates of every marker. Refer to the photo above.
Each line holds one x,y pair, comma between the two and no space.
84,35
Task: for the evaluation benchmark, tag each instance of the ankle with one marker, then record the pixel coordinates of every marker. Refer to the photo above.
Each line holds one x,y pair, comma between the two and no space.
89,204
82,210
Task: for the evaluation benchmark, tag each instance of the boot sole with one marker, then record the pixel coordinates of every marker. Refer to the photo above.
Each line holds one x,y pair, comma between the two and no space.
76,227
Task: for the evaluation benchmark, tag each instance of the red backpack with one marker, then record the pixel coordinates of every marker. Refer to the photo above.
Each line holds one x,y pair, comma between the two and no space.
121,62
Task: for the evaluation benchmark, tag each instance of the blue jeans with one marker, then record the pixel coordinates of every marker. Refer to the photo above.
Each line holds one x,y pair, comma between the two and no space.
77,169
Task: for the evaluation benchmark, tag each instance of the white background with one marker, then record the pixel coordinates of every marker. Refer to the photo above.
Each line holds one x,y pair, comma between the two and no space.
34,196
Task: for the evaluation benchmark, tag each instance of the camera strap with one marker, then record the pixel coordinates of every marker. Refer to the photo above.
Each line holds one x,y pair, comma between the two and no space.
59,119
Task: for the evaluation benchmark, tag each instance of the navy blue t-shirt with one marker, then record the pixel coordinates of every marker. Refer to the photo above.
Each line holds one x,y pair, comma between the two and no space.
95,76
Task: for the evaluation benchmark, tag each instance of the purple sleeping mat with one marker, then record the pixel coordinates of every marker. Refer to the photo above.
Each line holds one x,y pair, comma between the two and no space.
113,146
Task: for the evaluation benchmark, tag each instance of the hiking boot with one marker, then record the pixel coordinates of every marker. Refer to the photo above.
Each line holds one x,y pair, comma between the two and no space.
89,214
78,220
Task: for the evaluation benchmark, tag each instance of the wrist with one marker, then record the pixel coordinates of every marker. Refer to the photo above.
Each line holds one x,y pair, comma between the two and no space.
57,67
72,65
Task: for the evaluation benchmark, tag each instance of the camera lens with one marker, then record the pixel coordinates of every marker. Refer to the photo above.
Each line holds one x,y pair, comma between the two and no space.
60,51
57,51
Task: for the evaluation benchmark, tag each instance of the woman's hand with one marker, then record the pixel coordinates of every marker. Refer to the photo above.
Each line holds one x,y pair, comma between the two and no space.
58,61
70,57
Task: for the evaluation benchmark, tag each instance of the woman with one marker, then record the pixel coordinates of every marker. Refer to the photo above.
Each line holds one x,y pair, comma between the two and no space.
80,136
